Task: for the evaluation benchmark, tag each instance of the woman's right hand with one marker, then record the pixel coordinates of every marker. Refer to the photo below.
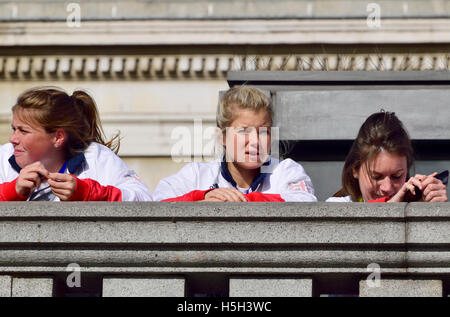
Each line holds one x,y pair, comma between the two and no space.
225,194
29,178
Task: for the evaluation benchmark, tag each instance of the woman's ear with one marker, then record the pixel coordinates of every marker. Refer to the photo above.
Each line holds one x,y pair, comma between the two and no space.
60,138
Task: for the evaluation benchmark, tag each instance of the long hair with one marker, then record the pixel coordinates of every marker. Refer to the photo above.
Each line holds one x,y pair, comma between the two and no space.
382,131
52,109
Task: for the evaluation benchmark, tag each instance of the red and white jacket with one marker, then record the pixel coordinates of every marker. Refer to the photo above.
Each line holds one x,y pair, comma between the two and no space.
101,176
278,181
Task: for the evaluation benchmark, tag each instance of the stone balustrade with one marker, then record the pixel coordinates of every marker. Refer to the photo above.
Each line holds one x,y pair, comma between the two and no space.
230,249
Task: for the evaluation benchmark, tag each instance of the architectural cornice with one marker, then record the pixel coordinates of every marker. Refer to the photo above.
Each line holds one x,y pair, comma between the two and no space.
144,67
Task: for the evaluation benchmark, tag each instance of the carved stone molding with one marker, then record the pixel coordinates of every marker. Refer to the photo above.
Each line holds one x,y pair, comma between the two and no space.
123,67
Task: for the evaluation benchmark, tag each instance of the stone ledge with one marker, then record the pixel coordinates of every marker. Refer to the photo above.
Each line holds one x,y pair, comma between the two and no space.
215,237
222,257
206,211
226,32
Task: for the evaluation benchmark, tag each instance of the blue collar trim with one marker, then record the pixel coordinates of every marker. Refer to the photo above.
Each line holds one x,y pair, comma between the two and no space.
13,163
255,183
75,162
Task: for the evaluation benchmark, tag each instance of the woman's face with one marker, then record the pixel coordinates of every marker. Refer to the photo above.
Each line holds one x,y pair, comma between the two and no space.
31,142
247,140
386,175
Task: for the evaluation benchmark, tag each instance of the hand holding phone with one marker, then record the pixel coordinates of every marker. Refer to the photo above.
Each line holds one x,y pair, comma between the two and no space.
410,197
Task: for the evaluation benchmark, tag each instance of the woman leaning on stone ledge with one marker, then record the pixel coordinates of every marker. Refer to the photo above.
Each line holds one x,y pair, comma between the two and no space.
377,166
57,153
246,172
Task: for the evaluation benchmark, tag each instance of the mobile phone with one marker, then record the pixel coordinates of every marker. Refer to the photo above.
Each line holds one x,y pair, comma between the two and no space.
443,177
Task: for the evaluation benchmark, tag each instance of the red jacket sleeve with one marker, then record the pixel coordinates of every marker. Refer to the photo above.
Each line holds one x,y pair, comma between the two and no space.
197,195
8,192
257,196
90,190
379,200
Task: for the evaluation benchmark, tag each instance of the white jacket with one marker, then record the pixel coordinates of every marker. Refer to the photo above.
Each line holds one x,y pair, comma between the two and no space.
344,199
287,178
97,162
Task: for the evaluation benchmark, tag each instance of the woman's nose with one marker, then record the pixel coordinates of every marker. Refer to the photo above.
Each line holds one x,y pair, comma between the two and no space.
253,138
14,138
386,186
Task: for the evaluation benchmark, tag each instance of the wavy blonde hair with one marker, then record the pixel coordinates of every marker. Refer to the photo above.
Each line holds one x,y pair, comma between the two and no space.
243,97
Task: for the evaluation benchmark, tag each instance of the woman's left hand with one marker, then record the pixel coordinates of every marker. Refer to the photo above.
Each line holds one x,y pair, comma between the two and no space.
433,189
409,185
62,185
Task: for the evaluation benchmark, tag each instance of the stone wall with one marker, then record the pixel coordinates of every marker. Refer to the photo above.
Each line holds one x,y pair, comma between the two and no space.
218,9
224,249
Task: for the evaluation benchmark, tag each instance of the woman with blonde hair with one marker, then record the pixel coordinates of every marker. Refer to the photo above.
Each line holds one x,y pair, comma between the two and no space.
246,172
57,152
377,166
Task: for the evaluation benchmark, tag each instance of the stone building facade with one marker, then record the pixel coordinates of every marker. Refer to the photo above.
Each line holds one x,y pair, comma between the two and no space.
153,66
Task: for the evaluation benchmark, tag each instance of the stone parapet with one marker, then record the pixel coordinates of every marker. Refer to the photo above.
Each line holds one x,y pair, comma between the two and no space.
289,243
